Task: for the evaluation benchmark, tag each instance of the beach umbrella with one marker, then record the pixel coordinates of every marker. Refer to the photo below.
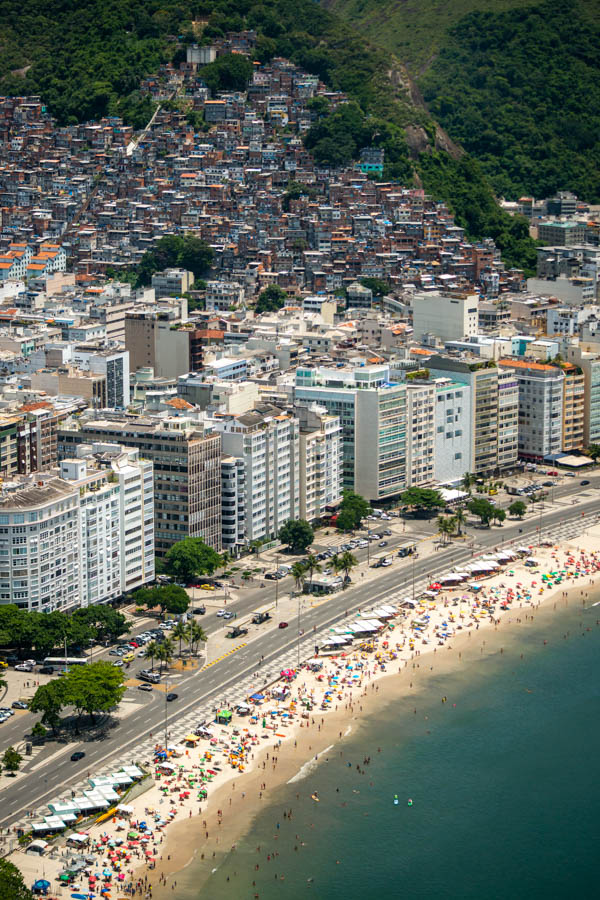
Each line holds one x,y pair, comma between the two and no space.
41,885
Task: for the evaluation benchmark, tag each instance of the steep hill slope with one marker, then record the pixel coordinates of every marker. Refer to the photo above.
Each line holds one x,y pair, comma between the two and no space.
515,82
86,58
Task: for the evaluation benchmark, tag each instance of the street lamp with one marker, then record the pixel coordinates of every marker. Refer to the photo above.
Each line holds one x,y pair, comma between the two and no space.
276,581
166,709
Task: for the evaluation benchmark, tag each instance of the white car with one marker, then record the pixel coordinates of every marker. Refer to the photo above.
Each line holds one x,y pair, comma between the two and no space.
140,654
221,612
24,667
363,544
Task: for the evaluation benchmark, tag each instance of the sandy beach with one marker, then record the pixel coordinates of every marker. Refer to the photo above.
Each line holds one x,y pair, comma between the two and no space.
206,794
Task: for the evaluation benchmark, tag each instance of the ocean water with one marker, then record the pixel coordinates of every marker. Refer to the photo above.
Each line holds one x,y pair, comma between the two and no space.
503,779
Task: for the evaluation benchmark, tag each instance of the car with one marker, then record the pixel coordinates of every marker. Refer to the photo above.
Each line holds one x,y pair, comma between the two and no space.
145,687
118,663
283,624
584,482
47,670
229,615
19,704
140,654
114,652
387,532
363,544
570,474
199,610
135,644
207,587
6,711
171,697
75,757
24,667
3,665
271,576
386,562
383,543
547,484
218,584
221,613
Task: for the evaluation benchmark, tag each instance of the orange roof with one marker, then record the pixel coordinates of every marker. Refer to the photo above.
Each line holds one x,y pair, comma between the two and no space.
40,404
522,364
418,351
6,265
38,267
179,403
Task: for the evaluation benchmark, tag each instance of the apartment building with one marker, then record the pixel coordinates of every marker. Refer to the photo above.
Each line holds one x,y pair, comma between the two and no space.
541,399
223,295
573,430
79,536
233,504
590,365
187,469
172,282
267,441
372,412
492,437
321,461
420,434
448,316
110,363
452,422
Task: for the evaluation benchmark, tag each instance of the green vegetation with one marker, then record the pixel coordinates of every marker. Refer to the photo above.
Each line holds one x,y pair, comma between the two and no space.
297,534
353,510
187,252
11,760
88,689
422,501
271,299
378,286
191,557
12,886
26,631
520,91
517,508
171,598
230,72
483,509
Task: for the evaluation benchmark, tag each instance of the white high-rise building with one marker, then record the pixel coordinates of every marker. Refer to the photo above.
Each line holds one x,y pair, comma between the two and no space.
372,411
320,461
450,317
267,440
420,433
78,537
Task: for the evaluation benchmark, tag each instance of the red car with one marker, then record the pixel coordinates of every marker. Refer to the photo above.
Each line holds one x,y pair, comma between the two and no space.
283,624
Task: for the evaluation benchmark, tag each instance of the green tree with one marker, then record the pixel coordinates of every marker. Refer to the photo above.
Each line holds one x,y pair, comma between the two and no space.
191,557
594,451
482,508
347,561
270,300
423,501
446,526
12,886
151,652
187,251
180,633
378,286
499,515
49,700
345,520
11,760
297,534
165,653
356,506
230,72
517,508
460,519
312,565
38,732
106,622
195,635
468,480
298,573
94,688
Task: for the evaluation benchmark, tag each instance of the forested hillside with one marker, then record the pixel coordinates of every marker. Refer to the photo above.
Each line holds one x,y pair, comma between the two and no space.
515,82
86,58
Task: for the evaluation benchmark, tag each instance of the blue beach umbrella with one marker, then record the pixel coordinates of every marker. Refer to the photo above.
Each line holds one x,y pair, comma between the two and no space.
41,885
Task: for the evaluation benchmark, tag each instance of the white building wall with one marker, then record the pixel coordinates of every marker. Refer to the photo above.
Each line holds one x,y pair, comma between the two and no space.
453,432
450,317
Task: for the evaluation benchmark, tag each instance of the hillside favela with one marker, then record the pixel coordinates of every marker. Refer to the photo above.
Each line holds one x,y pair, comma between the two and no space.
299,432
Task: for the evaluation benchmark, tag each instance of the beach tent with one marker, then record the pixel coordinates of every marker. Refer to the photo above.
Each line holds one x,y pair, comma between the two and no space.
223,716
78,839
124,810
133,772
84,804
38,846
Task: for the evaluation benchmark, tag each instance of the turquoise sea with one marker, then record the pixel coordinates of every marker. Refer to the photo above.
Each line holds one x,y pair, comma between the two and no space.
503,778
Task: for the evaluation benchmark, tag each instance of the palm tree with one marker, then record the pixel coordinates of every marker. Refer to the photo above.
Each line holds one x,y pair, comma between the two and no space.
460,519
443,526
225,559
298,572
347,561
195,635
151,652
179,633
312,565
336,563
165,653
468,481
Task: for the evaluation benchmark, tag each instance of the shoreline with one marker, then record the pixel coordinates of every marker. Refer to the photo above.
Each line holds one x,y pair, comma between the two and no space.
202,832
309,750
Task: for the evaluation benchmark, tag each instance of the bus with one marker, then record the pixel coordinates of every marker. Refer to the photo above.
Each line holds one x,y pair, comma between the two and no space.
66,661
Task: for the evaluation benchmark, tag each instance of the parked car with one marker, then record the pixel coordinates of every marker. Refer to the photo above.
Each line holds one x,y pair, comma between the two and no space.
221,613
19,704
24,667
118,663
47,670
228,615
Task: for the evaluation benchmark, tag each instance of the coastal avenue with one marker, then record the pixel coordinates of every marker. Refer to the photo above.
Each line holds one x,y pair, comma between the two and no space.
48,779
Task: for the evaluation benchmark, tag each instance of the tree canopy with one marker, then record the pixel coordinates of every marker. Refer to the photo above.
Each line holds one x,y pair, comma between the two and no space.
352,511
191,557
181,251
482,508
517,508
12,886
94,688
271,299
230,72
171,598
297,534
28,631
422,500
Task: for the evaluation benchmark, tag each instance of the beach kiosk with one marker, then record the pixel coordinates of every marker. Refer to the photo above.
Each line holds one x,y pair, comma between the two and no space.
223,717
